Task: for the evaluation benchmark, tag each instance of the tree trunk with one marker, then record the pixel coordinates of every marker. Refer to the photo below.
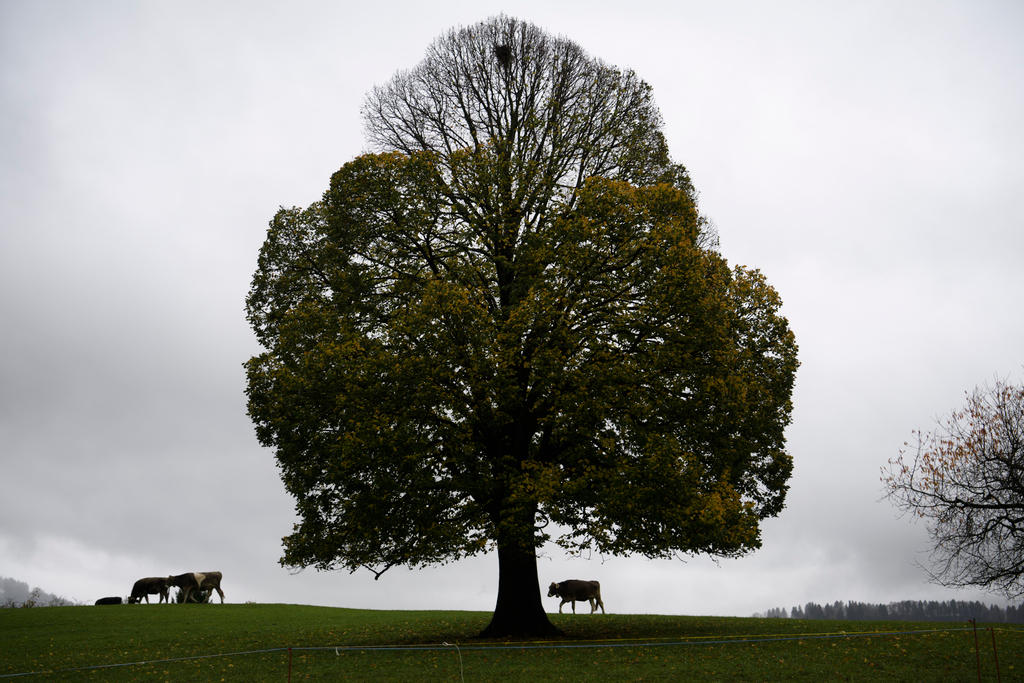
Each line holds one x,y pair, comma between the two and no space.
519,611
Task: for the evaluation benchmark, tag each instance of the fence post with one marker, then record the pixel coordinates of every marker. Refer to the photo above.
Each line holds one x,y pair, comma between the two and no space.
289,665
977,652
995,654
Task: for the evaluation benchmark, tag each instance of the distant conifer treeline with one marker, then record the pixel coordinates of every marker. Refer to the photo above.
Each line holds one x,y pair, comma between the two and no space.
906,610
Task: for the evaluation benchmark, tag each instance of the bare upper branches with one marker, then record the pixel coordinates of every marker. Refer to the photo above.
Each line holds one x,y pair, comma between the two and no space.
517,119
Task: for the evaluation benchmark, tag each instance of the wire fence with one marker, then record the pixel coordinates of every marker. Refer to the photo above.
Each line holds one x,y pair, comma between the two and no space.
289,651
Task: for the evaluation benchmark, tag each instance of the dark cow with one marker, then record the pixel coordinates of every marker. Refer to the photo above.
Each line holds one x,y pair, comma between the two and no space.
573,590
151,585
195,582
210,581
186,582
109,601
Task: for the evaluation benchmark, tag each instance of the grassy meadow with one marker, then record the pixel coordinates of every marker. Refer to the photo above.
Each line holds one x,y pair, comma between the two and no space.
250,643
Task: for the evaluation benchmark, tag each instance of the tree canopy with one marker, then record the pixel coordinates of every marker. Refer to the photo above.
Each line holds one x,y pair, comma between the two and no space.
510,325
966,480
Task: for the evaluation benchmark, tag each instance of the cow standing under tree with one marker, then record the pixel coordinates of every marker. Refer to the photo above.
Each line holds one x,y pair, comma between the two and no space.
573,590
197,582
143,588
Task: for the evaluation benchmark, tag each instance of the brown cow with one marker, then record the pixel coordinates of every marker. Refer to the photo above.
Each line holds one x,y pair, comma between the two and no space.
210,581
573,590
186,582
143,588
195,582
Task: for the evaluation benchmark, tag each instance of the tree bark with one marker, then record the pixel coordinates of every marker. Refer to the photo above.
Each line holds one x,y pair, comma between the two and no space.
519,611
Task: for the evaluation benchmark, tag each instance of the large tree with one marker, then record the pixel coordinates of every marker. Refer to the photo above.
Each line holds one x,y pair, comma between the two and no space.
966,480
510,325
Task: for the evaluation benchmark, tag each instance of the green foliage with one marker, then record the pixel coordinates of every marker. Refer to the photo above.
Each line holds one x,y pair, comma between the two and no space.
511,316
631,388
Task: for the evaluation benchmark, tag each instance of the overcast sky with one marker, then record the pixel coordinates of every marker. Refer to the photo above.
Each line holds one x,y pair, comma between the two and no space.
865,156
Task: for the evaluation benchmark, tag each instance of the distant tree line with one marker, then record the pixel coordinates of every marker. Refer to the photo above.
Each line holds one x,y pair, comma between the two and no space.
14,593
906,610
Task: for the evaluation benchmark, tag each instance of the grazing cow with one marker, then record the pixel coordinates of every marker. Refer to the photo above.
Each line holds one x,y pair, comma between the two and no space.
109,601
150,585
186,582
194,582
210,581
573,590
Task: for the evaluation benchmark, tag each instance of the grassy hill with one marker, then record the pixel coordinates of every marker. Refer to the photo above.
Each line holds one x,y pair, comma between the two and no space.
251,642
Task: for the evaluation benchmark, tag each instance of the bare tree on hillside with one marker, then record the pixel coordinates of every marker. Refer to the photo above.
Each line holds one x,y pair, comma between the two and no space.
966,480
